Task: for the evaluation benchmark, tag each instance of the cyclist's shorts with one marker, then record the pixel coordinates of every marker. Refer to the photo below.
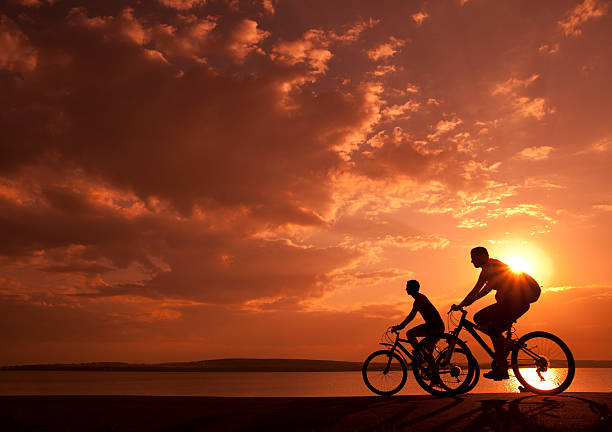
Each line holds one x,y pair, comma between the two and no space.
500,316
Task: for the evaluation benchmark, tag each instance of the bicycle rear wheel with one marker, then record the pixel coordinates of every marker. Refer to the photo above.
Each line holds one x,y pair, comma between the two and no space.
384,372
441,373
543,363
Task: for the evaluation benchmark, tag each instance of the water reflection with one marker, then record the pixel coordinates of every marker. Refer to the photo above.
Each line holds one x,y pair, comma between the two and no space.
547,380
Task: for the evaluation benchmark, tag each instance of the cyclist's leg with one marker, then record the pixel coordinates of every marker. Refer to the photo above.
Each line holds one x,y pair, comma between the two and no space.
509,313
492,321
506,314
425,330
421,330
485,316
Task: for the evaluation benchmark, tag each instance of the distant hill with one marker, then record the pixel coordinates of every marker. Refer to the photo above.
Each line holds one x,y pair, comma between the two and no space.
219,365
234,365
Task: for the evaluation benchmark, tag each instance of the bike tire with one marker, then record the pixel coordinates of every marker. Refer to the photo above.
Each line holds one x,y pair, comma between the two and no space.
426,375
469,384
375,377
476,376
551,350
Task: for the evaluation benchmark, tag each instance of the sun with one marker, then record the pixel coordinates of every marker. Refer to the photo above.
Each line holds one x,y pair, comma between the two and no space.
525,256
519,264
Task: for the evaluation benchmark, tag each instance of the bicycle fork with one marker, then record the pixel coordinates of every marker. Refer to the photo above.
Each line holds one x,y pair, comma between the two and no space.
449,350
389,359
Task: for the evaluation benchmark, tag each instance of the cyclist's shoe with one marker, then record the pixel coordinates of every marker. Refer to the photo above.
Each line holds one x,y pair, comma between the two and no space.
496,375
437,382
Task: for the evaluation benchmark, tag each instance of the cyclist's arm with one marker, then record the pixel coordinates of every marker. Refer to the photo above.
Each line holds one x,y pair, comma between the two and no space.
408,318
483,292
479,290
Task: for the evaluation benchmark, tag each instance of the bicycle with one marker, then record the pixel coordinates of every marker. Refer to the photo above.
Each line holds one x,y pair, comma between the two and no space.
385,371
541,361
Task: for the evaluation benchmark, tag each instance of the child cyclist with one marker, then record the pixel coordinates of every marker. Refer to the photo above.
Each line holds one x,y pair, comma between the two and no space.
433,322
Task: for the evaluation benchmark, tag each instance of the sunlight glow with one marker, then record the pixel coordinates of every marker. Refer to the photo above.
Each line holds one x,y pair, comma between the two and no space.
519,264
525,256
553,377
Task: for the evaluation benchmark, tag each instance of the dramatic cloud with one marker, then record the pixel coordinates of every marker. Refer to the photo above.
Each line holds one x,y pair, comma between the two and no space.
178,171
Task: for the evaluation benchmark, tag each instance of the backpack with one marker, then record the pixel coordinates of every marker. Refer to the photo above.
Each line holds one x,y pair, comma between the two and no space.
513,286
530,289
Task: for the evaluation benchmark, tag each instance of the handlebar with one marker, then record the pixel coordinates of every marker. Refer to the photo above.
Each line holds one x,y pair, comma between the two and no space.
458,309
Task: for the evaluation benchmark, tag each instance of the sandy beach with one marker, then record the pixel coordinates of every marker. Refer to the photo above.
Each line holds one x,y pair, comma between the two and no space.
476,412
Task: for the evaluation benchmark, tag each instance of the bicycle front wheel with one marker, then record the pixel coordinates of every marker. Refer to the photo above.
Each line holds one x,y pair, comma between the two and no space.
384,372
543,363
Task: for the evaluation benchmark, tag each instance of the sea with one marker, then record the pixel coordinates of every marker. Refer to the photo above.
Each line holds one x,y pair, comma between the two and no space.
243,384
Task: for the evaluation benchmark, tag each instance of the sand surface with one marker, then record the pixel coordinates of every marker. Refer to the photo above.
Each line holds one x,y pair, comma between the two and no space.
475,412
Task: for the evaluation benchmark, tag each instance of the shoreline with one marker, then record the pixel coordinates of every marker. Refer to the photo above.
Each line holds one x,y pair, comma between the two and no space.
495,411
233,365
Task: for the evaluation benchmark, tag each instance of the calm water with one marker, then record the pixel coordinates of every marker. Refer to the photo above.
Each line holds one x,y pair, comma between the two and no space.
240,383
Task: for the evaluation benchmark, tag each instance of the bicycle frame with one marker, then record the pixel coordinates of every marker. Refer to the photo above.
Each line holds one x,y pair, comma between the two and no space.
471,328
398,344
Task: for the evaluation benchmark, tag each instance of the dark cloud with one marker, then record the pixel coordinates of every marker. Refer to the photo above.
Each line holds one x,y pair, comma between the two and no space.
102,102
184,258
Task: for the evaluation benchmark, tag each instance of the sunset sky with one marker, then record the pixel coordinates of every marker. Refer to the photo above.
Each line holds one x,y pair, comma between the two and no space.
195,179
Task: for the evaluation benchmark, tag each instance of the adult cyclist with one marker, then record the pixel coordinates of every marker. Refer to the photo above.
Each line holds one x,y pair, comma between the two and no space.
512,301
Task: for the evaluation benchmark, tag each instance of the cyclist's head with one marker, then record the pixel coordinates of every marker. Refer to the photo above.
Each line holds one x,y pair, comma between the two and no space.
412,287
480,256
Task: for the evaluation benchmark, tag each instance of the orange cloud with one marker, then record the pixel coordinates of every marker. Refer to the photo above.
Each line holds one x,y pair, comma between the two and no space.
471,223
535,153
182,5
537,108
16,52
604,207
419,17
444,126
585,11
354,32
269,6
415,243
244,38
400,111
382,70
311,49
386,50
549,49
512,84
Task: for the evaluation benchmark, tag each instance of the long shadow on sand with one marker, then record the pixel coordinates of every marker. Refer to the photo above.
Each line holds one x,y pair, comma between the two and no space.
528,413
475,412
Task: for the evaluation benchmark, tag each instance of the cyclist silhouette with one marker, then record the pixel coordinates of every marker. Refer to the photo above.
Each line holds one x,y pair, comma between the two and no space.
511,303
433,322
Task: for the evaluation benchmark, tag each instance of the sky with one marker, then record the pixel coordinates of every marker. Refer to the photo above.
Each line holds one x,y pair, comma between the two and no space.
195,179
